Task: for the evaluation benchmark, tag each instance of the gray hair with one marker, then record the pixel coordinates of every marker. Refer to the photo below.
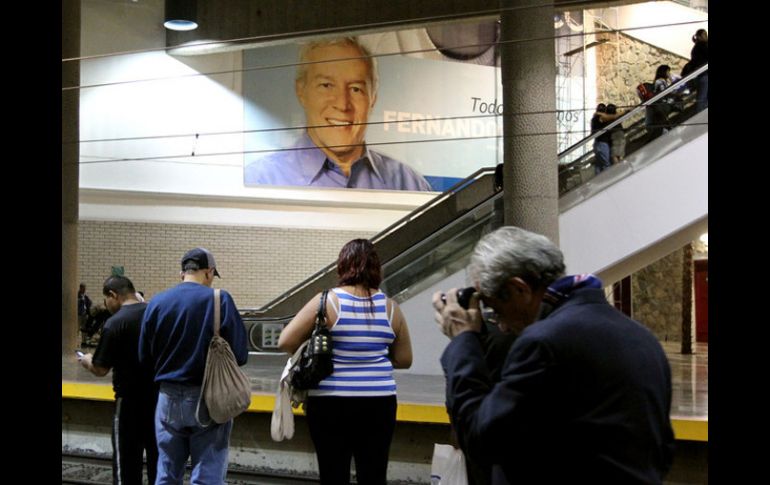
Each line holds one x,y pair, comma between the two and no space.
511,251
190,267
307,48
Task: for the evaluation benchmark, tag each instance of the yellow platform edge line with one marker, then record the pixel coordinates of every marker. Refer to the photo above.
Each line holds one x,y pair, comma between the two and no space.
690,429
79,390
684,429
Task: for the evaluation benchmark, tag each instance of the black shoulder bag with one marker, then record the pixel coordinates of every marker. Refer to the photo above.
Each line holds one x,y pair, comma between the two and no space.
315,363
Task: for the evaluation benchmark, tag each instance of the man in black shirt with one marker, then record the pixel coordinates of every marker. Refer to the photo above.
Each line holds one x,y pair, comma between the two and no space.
133,428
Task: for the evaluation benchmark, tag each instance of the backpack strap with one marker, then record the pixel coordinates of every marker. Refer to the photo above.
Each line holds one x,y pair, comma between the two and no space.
217,310
206,368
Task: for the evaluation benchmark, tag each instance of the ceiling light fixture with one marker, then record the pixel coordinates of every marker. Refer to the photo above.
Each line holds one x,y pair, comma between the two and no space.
181,15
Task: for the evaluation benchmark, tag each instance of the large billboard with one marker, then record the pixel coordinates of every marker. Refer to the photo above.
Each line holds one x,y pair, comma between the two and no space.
321,114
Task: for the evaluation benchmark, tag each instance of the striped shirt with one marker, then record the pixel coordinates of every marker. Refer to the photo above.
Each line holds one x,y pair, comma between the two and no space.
361,341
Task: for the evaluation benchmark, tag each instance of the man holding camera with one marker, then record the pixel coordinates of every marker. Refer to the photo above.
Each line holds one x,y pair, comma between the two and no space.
585,392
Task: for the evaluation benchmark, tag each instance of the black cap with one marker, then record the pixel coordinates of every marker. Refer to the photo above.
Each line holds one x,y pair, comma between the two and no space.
203,257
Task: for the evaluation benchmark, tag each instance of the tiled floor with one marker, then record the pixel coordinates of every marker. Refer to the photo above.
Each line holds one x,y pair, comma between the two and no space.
689,380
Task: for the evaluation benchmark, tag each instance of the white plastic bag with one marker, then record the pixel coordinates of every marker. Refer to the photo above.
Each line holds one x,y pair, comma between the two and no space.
286,397
282,422
448,466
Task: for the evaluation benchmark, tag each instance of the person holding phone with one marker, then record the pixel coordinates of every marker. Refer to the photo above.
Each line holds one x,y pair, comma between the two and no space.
133,429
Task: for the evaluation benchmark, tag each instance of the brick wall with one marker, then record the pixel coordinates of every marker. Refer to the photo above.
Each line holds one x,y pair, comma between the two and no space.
257,264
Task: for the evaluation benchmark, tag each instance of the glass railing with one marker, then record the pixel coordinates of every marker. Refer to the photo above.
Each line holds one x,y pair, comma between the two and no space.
398,241
440,256
410,249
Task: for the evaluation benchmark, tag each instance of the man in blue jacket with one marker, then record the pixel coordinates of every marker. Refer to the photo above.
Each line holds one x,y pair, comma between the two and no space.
585,392
176,330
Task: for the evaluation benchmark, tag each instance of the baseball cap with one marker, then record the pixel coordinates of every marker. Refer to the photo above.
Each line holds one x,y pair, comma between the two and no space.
203,257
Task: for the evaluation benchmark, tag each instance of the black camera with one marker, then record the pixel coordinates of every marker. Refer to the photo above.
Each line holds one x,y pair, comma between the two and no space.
463,296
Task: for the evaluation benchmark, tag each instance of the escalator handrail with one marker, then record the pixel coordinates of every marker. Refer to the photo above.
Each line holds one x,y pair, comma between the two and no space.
416,213
380,235
432,203
674,87
629,130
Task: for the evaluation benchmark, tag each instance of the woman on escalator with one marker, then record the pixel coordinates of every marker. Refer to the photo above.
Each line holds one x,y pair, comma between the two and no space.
352,413
699,56
663,107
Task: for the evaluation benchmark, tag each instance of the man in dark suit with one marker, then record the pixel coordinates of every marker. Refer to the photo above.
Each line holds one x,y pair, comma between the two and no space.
585,392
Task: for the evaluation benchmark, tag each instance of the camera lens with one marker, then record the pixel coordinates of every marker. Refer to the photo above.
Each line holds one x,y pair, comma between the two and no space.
464,296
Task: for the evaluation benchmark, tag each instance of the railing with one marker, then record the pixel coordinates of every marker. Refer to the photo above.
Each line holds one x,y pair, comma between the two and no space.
453,210
658,97
457,190
636,134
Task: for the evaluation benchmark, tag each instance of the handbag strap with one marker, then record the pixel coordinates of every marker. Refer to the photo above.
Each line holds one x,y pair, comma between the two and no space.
216,310
320,319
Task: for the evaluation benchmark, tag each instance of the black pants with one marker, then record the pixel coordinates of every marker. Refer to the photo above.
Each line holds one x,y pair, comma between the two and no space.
352,427
133,432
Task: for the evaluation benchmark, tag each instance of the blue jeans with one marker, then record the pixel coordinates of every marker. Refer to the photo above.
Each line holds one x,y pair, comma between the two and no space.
179,435
601,156
702,99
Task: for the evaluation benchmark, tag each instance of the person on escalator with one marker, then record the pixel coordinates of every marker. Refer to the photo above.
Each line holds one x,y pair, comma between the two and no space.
699,56
602,143
617,136
661,109
352,413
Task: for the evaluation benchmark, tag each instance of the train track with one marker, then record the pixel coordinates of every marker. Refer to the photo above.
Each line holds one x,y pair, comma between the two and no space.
81,469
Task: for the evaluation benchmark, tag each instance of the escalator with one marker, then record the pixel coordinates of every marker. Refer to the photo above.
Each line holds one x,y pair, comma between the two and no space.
429,240
434,242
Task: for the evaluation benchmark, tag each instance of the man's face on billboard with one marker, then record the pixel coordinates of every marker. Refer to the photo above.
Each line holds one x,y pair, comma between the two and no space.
337,98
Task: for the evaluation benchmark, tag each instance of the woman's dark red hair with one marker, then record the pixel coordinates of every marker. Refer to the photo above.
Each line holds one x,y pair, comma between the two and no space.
359,264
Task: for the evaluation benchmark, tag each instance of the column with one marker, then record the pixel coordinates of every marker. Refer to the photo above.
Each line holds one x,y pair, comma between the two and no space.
530,170
70,133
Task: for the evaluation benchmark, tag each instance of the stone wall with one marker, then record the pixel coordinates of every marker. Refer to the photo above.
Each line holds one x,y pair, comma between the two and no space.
623,62
657,297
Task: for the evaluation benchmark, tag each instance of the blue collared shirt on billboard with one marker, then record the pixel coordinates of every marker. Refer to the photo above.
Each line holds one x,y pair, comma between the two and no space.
307,165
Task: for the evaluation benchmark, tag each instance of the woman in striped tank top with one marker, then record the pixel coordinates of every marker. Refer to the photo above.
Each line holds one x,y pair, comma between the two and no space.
352,413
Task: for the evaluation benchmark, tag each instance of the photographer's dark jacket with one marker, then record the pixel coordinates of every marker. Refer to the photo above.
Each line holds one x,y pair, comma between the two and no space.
584,397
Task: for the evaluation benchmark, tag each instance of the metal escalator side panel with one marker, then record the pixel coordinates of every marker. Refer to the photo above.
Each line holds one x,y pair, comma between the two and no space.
398,238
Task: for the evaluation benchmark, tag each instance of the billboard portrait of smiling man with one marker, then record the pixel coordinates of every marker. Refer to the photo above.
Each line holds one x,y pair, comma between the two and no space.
336,85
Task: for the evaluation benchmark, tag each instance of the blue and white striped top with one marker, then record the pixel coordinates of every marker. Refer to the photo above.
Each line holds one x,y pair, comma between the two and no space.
361,341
